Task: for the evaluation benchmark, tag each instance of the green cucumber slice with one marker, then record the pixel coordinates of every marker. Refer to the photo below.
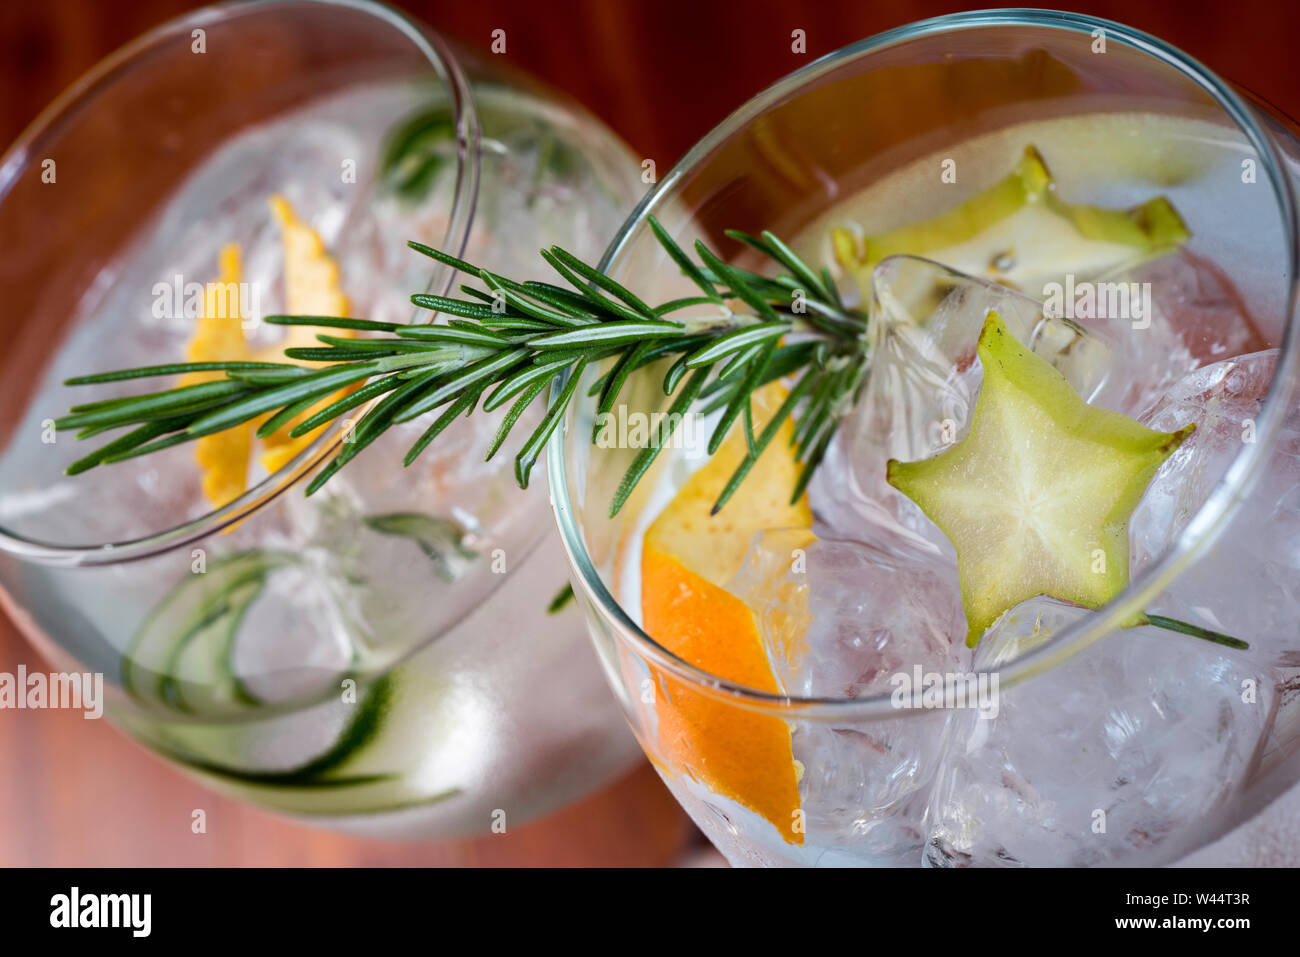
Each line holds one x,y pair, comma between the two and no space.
357,775
416,150
441,539
180,657
199,678
359,731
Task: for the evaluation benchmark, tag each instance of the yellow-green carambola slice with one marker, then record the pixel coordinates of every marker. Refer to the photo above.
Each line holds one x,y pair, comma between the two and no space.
1037,498
1019,232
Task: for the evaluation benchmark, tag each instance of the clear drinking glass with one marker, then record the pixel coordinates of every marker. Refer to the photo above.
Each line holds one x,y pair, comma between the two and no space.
379,656
1110,745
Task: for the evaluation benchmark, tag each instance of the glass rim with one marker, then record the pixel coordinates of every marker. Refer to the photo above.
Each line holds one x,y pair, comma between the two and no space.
17,158
1208,522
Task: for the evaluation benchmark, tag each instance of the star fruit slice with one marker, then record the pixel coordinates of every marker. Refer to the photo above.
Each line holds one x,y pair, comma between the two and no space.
1037,497
1019,232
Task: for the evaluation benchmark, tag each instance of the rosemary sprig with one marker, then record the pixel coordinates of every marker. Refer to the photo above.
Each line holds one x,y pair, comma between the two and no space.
515,339
511,342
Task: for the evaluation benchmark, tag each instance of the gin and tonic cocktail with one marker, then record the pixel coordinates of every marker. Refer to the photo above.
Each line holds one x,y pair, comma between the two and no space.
999,217
379,656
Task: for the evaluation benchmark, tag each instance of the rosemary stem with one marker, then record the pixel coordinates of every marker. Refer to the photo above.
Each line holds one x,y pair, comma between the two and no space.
455,355
515,341
1196,631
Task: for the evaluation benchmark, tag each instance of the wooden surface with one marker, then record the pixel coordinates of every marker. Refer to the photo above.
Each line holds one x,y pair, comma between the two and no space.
661,74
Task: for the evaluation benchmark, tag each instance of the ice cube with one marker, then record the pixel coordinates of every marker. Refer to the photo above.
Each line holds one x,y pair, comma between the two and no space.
445,528
1223,400
842,619
295,641
1248,583
1194,297
926,320
921,393
1116,756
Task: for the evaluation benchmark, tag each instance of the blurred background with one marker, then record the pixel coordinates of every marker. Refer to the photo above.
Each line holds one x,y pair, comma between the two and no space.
75,792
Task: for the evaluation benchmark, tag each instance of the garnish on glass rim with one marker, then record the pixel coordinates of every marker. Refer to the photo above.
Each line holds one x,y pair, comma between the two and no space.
515,340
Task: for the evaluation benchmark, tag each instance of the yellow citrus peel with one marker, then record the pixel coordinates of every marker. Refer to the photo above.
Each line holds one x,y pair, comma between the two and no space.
312,287
219,337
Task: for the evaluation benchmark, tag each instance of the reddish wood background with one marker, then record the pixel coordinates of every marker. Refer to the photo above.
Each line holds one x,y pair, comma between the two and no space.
661,74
